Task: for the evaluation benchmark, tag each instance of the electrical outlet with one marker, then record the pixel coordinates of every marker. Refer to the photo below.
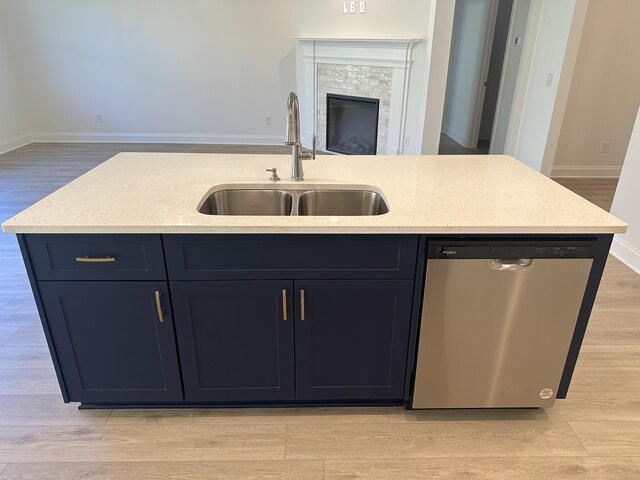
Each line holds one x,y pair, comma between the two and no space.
407,140
268,120
549,79
99,118
363,6
605,147
352,7
345,7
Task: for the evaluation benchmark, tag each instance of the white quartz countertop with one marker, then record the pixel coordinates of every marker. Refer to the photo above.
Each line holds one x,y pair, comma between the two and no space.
160,193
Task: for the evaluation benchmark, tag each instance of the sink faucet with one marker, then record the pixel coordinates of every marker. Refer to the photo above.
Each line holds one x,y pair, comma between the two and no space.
292,137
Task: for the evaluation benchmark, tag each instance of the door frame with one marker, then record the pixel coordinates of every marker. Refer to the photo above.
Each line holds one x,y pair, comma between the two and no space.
510,46
486,59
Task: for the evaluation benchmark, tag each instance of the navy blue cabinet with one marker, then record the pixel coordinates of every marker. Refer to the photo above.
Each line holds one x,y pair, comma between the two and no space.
97,257
351,339
258,318
113,343
290,257
235,340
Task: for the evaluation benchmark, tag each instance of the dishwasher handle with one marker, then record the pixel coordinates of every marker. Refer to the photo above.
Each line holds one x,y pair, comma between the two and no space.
510,263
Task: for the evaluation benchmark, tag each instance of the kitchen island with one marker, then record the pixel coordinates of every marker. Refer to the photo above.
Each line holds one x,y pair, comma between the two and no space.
146,301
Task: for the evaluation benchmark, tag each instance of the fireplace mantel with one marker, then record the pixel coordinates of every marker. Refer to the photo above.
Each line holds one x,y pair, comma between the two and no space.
363,41
391,53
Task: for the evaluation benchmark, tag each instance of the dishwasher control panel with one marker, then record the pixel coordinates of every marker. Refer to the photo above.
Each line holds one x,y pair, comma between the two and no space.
513,250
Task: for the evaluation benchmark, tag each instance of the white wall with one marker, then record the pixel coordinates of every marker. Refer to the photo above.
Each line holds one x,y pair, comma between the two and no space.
436,70
564,84
604,95
13,127
173,70
551,43
508,81
383,19
470,26
626,203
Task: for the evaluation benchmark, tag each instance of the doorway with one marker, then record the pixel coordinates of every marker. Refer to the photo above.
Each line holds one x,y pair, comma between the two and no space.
486,46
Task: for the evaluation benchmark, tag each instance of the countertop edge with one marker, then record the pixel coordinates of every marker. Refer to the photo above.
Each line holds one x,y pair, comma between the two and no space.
564,230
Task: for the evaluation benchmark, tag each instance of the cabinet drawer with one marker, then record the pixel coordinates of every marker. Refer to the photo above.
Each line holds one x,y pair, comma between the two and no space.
213,257
97,257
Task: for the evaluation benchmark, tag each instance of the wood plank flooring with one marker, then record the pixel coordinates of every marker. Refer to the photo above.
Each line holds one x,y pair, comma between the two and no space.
593,434
448,146
597,190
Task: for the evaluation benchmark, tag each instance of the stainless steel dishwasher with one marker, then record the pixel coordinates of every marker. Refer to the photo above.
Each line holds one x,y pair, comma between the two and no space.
497,322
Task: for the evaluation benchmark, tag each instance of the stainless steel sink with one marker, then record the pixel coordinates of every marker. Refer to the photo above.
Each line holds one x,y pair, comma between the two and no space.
341,203
248,202
307,202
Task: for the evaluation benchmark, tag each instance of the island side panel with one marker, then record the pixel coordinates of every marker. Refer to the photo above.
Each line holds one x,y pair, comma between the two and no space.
597,269
26,257
416,312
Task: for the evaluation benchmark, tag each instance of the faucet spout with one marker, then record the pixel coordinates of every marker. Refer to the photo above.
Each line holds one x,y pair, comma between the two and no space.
292,137
292,134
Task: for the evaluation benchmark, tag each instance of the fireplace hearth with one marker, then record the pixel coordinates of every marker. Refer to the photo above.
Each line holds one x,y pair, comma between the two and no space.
352,124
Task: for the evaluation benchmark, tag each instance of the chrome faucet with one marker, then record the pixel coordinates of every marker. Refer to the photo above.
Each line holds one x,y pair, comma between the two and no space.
292,137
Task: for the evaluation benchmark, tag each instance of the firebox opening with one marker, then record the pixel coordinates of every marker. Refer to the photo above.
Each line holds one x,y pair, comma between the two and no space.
352,124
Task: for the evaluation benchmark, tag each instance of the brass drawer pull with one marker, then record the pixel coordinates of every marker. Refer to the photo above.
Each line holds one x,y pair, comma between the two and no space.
284,303
95,259
159,307
301,304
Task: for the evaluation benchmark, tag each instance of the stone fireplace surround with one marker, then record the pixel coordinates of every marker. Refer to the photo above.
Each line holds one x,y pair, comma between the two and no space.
374,68
356,81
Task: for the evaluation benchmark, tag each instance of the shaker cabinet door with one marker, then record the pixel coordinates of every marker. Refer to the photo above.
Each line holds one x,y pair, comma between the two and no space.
351,339
235,340
113,343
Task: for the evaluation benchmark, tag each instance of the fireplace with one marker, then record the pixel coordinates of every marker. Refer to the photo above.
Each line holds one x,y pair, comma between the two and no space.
352,124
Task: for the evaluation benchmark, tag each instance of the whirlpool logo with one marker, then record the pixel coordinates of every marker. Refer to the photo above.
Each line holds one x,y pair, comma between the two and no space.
448,253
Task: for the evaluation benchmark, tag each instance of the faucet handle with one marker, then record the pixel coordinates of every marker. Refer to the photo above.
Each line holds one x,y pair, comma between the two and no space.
274,174
306,154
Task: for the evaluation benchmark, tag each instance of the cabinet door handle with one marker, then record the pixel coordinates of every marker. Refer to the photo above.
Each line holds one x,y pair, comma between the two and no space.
95,259
302,304
159,307
284,303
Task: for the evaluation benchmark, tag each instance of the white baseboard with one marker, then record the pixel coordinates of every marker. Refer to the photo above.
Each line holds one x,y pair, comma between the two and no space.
157,138
586,171
13,143
626,253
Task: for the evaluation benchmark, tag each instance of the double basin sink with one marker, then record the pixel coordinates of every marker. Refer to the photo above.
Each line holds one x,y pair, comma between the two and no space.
286,202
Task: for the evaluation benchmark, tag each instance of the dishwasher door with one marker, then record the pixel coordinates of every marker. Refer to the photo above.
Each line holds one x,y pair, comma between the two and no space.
495,331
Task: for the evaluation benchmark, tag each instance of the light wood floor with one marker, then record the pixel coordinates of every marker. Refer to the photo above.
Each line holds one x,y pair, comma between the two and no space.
594,434
448,146
597,190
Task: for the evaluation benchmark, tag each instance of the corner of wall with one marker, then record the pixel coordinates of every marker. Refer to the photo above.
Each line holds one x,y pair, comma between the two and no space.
626,204
13,143
626,253
14,128
437,65
564,85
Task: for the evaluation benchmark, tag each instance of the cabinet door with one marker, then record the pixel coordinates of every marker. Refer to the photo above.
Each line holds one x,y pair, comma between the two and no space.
113,346
235,341
351,339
